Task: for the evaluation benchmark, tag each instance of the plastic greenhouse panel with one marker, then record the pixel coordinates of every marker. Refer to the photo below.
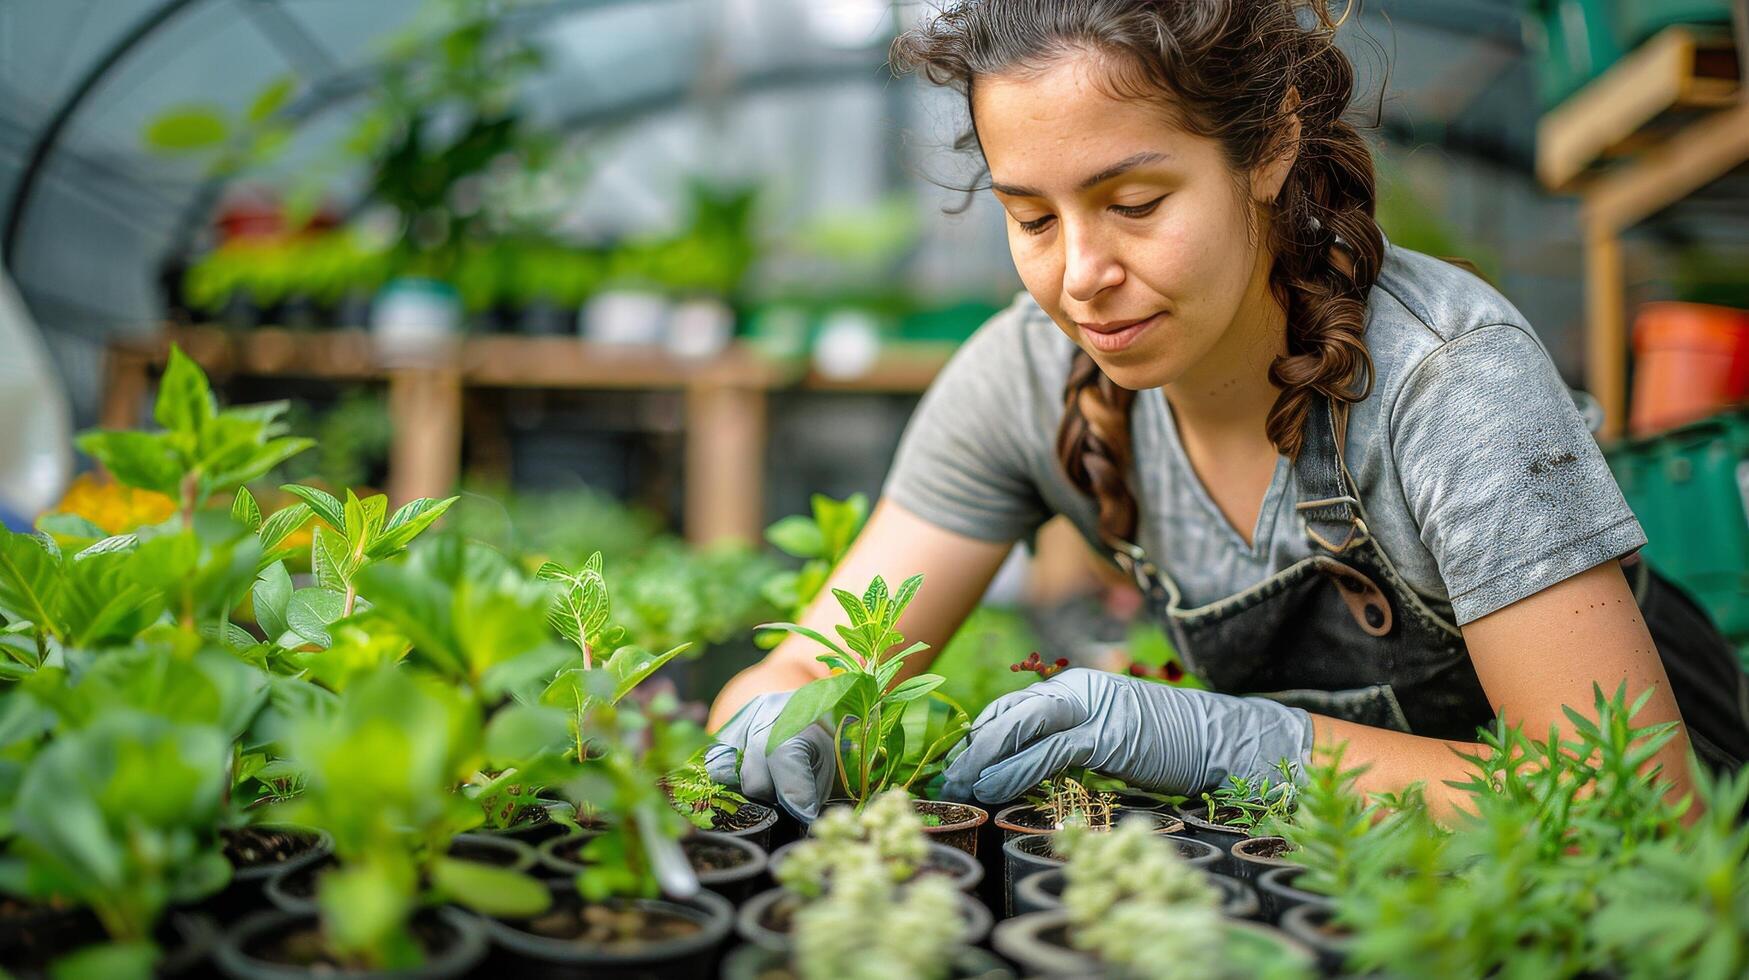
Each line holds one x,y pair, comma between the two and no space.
1690,489
1637,20
1578,41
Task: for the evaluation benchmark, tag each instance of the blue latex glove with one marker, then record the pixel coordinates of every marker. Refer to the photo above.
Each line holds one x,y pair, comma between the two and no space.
1165,739
797,776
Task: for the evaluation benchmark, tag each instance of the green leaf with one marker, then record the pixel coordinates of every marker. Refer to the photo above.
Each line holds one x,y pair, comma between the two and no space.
185,401
407,522
272,594
108,961
137,459
321,501
188,129
69,526
245,511
798,536
272,97
807,705
875,600
120,543
811,634
521,732
914,688
104,601
253,464
631,665
310,612
488,890
283,522
329,559
31,579
853,606
907,590
354,530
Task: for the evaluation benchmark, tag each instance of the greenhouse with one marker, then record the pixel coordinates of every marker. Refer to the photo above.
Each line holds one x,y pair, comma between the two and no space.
822,489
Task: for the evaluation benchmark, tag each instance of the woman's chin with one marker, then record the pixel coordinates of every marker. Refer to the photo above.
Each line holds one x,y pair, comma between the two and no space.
1137,374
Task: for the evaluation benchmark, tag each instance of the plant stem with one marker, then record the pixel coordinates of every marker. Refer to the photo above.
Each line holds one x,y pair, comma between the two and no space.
190,486
838,754
351,597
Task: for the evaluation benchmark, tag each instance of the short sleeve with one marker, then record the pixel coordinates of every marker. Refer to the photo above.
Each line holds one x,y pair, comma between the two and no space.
1509,489
966,460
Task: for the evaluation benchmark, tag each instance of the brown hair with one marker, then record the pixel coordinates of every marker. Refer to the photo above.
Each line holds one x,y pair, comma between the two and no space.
1238,72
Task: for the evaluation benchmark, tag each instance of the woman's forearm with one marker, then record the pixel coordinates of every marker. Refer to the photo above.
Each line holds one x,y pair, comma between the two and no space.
1395,760
779,671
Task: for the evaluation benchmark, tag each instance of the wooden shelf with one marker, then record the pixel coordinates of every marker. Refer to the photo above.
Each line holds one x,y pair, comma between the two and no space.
1667,120
726,396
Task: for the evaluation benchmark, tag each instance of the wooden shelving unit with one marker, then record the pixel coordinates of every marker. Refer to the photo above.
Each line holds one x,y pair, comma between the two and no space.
725,397
1668,119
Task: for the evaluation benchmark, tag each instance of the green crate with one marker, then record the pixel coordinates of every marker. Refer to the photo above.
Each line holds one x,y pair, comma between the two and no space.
1690,489
1637,20
1574,40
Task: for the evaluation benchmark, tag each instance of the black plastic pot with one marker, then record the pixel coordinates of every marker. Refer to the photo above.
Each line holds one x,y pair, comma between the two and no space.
186,943
535,827
1198,826
1310,924
1279,895
959,823
33,935
755,921
1032,853
518,951
459,947
733,883
293,889
752,821
1023,819
956,865
759,963
1251,857
1039,944
1238,899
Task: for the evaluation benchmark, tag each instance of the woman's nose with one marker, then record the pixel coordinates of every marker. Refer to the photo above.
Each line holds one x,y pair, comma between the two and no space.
1090,266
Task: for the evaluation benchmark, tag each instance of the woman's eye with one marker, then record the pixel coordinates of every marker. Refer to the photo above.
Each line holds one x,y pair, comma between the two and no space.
1138,210
1035,226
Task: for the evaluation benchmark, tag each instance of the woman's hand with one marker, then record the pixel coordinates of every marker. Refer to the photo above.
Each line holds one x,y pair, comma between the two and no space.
1154,737
797,774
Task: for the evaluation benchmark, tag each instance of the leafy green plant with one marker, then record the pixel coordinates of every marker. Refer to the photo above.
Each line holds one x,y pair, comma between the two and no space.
864,708
1252,802
821,540
1064,798
119,816
380,777
581,614
203,450
699,797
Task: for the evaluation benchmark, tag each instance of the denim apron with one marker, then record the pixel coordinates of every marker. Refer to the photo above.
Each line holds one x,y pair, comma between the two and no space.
1341,634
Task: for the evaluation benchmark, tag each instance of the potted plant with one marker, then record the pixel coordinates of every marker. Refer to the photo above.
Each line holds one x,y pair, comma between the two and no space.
1131,907
866,711
712,806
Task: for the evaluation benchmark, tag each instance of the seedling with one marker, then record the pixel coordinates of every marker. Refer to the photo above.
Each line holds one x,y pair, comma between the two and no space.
699,797
858,702
580,613
822,540
1064,798
1253,801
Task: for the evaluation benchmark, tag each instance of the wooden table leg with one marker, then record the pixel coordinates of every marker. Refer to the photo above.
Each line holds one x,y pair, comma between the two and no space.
425,410
126,381
1606,344
725,463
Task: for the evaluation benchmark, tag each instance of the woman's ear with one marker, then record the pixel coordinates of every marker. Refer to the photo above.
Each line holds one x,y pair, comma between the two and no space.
1268,177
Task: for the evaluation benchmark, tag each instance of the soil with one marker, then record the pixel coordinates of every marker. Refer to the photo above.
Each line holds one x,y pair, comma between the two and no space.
610,926
1225,816
1038,847
304,946
708,855
1267,848
943,813
780,915
1031,818
255,847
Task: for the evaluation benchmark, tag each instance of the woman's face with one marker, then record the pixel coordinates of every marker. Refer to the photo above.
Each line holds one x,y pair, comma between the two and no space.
1129,231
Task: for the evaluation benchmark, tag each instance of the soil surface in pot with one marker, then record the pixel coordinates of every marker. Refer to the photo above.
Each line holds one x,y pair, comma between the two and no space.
1226,817
1038,821
608,926
1268,848
304,947
709,855
481,853
255,847
939,813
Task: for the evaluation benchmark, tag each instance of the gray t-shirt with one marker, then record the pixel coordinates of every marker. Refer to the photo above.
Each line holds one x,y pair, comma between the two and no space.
1476,471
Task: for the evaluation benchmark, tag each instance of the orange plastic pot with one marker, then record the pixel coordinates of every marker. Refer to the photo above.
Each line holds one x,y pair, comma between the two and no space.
1689,363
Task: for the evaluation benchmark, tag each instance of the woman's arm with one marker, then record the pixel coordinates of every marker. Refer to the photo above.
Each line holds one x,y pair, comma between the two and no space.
1542,652
895,544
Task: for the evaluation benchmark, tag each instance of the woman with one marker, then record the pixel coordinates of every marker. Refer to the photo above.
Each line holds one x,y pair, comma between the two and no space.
1346,476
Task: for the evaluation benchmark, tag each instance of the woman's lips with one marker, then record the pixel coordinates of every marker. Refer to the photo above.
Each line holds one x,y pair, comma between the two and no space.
1109,341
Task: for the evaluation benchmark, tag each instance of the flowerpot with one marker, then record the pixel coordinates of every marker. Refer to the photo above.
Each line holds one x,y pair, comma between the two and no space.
293,889
751,821
534,825
626,939
1024,818
186,942
33,935
1040,891
257,853
1217,832
958,826
729,866
275,944
415,321
1039,943
954,864
1255,855
766,919
1311,923
1275,886
1238,899
626,317
759,963
1025,855
700,328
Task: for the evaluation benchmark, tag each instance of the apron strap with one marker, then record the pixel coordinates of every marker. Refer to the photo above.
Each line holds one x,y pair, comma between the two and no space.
1328,508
